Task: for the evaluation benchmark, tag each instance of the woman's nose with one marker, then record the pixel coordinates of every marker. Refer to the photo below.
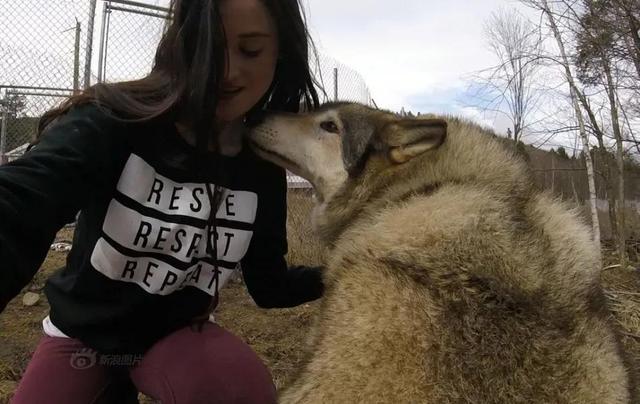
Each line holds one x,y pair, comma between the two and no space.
232,68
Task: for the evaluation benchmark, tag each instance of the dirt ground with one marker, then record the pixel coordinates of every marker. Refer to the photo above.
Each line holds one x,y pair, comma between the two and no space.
277,335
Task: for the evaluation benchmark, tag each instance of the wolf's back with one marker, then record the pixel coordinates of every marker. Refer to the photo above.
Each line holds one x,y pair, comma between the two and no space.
479,290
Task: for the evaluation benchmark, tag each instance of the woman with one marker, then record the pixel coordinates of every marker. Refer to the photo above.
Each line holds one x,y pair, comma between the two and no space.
144,162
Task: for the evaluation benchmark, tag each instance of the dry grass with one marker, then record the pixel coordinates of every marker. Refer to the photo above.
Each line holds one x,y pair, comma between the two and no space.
278,336
304,248
622,288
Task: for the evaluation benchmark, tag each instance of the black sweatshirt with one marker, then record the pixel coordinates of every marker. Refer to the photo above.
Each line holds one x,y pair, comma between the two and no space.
138,268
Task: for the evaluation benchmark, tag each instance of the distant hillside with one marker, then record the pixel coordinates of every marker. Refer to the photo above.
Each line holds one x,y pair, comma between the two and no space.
567,177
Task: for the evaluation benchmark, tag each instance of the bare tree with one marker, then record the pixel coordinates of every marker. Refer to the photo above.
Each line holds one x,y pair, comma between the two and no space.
606,164
611,33
620,208
626,14
597,43
543,6
514,41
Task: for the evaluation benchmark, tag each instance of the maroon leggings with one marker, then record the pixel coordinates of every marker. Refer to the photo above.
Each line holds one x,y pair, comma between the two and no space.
212,366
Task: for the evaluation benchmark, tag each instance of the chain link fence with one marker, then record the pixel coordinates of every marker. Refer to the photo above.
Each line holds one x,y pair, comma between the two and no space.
42,60
21,108
340,82
129,35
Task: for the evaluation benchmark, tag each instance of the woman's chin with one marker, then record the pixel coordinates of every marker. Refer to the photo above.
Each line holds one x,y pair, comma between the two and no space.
227,112
224,117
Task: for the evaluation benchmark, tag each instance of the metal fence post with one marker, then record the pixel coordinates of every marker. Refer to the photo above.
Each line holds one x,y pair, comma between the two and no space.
89,47
3,132
102,41
76,58
335,84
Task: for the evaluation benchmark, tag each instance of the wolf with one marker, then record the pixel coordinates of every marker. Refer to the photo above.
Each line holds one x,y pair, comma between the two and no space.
450,277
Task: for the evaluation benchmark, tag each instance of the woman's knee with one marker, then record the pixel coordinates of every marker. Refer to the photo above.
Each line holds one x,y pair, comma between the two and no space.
208,366
61,370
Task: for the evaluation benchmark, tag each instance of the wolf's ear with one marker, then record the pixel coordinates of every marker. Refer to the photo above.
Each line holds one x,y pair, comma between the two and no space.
356,140
408,138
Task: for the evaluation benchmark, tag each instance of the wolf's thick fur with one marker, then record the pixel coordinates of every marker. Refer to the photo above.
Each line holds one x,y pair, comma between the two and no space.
451,279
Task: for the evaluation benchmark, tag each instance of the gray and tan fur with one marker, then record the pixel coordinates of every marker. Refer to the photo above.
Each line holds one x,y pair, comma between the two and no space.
450,278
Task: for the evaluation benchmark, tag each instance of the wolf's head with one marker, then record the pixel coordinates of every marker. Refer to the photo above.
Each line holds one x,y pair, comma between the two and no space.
356,156
342,141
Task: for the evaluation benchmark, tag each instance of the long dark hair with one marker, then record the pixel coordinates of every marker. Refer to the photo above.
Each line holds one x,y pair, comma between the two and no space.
189,66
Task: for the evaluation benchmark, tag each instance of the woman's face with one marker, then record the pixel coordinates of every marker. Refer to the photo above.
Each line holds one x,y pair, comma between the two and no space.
252,43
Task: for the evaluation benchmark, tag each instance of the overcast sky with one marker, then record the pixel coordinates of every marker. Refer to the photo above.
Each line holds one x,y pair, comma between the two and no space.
411,53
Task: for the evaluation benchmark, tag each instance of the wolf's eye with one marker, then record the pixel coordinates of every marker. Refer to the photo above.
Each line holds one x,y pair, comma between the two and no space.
330,126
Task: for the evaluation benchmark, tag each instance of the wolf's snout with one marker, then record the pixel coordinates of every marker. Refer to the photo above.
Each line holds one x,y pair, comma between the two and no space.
262,138
261,134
